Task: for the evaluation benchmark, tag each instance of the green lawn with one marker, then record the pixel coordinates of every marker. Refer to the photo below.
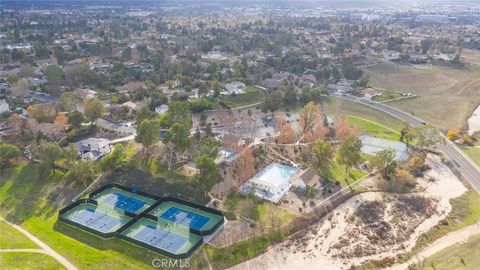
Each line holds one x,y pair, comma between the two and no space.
336,106
12,238
243,99
387,96
26,199
472,153
464,256
373,128
338,172
25,261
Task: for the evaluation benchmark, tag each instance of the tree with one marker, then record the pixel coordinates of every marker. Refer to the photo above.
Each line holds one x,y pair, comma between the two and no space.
287,134
55,75
273,101
343,129
207,175
349,153
385,162
67,101
178,112
209,147
425,136
350,71
426,44
7,152
113,159
144,113
148,133
290,98
93,109
47,153
20,88
453,133
177,141
245,164
43,113
75,118
82,172
308,114
322,156
61,120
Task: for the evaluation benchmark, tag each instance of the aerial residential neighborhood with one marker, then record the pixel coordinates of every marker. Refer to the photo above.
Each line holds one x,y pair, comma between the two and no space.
240,134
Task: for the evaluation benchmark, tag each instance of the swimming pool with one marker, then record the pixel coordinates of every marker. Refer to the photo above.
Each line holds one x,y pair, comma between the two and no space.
271,183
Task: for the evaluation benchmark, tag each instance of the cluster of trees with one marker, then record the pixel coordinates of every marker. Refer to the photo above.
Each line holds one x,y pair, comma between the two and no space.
176,124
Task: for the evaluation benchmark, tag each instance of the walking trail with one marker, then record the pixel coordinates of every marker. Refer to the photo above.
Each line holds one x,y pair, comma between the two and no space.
440,244
45,249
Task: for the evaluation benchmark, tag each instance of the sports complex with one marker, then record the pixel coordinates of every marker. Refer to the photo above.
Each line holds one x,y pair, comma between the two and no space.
168,225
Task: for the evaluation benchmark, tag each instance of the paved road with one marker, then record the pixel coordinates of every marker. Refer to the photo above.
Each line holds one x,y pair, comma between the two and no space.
465,166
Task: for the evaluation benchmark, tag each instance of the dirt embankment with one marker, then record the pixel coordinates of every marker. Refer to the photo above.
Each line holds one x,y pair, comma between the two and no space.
369,226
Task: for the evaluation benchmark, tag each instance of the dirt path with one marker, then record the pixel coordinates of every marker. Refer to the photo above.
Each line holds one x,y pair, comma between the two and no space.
442,243
45,249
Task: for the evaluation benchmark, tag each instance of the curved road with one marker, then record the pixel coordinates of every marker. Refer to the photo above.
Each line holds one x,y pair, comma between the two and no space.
469,170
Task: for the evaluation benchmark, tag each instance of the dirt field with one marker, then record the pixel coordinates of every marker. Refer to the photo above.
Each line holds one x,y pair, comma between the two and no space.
369,226
447,95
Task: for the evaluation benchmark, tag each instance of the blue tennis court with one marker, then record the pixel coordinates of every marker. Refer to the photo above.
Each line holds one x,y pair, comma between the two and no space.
96,220
124,202
185,217
160,238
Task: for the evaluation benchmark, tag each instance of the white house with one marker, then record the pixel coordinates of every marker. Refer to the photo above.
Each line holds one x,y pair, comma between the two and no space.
4,108
93,148
235,88
161,109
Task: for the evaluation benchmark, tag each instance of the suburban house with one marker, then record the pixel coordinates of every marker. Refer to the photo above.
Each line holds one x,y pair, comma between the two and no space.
392,55
308,79
93,148
369,93
130,105
306,178
85,93
161,109
4,108
235,88
131,87
418,58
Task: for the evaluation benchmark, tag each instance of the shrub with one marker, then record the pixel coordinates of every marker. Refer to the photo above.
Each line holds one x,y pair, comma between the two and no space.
230,215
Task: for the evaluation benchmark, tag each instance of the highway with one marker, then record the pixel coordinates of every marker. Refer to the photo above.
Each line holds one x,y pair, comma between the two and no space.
469,170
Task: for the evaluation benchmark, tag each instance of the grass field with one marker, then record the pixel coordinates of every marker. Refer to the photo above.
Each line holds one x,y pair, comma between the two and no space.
27,261
387,95
26,199
372,128
336,106
464,256
447,95
472,153
11,238
251,96
338,172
